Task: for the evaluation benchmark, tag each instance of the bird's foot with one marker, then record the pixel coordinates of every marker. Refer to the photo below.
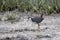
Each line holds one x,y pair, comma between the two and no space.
38,30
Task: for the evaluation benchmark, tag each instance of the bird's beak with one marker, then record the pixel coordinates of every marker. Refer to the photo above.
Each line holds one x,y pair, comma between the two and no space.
28,19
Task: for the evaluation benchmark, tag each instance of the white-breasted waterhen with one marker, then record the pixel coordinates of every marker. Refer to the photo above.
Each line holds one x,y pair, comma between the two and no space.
37,19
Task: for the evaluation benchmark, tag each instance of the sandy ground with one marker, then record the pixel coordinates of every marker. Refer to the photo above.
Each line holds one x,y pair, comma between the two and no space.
26,30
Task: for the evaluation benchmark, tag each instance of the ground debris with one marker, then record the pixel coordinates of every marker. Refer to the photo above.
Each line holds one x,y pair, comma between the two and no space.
44,36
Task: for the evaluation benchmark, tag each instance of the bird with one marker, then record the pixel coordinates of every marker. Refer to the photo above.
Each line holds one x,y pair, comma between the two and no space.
37,19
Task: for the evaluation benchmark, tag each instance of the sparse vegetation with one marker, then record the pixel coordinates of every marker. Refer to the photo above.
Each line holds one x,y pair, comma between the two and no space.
0,17
10,16
48,6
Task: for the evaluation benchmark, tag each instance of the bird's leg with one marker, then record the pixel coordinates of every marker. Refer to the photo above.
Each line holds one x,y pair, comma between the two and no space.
38,27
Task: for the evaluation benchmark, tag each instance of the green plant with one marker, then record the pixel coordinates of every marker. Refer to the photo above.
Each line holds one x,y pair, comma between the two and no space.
0,17
10,16
27,5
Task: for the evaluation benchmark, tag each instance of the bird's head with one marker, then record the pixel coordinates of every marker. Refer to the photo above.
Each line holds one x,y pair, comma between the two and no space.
29,18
